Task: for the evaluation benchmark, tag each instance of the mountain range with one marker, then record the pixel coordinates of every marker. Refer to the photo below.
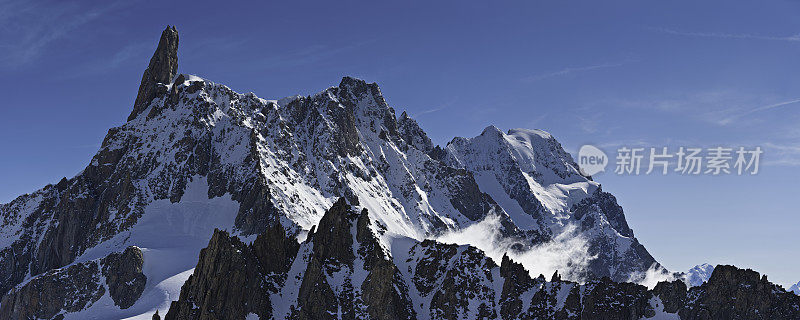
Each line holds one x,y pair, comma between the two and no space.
211,204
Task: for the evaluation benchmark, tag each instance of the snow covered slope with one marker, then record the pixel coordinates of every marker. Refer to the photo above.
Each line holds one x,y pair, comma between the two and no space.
195,156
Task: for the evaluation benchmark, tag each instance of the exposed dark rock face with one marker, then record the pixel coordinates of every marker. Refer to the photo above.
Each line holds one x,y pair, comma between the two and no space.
517,281
332,252
163,67
606,299
672,295
70,289
410,131
338,251
233,279
78,286
733,293
228,283
124,277
439,276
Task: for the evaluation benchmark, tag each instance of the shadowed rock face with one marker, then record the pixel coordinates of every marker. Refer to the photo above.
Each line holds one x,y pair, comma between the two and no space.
70,289
517,281
672,294
78,286
163,67
124,277
348,273
233,279
733,293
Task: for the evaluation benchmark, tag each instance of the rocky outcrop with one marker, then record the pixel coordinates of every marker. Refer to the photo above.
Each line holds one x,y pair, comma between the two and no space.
332,252
51,227
69,290
411,132
124,276
233,279
78,286
605,299
516,281
162,68
226,284
733,293
672,295
449,292
606,203
338,253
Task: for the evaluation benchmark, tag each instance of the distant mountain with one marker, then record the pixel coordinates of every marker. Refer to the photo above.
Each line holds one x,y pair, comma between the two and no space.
325,206
795,288
698,274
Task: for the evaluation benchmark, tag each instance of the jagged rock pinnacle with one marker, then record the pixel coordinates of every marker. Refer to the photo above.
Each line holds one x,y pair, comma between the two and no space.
163,67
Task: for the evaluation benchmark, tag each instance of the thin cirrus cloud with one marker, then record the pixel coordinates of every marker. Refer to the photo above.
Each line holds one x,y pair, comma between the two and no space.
712,106
441,107
28,28
730,119
310,54
782,154
105,65
571,70
792,38
430,111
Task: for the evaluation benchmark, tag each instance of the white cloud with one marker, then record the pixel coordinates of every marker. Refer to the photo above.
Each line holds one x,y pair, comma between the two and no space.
651,277
567,253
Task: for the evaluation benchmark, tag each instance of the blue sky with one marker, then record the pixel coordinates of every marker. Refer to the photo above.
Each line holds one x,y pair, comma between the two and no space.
635,73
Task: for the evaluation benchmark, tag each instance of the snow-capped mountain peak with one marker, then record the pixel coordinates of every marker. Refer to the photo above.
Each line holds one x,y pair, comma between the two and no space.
795,288
698,274
196,155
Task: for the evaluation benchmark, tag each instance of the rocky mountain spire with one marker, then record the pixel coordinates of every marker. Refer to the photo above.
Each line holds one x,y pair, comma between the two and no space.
162,68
